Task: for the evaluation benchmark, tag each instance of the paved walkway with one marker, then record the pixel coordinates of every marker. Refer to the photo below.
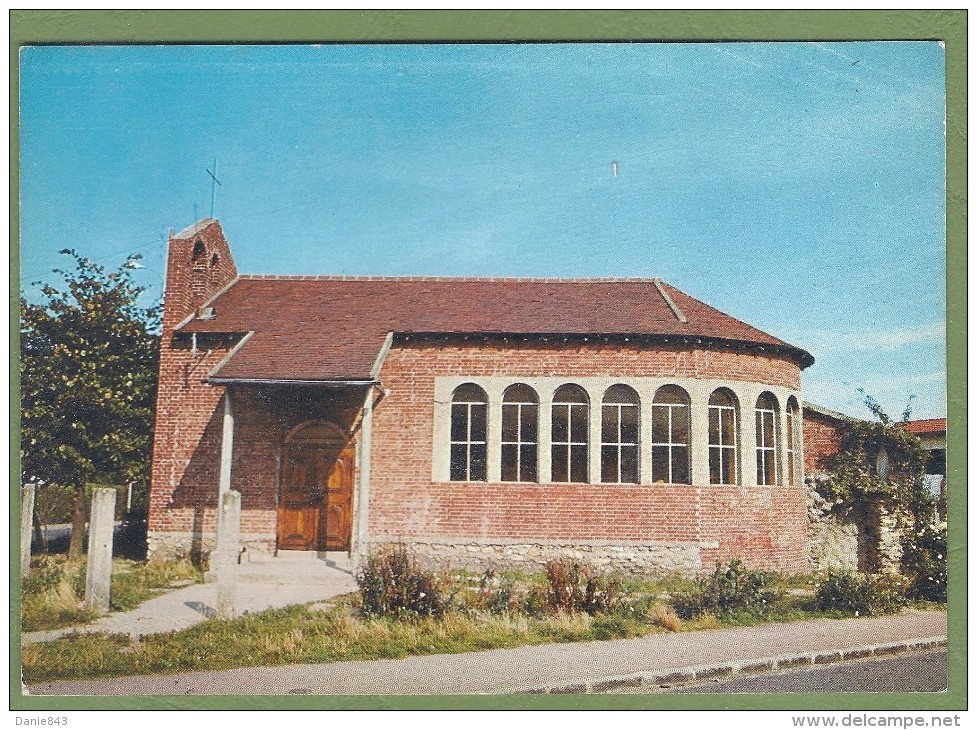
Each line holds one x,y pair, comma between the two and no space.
532,667
185,607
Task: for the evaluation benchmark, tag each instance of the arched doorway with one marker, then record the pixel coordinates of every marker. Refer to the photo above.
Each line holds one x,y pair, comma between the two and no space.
315,506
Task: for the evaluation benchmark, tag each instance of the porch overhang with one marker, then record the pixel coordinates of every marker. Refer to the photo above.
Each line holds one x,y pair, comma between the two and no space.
298,383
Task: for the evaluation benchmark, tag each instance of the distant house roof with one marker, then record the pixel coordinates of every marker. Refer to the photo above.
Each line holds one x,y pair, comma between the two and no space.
926,426
836,416
335,328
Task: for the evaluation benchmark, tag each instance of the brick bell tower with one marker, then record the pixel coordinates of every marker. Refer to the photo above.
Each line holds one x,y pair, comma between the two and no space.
199,264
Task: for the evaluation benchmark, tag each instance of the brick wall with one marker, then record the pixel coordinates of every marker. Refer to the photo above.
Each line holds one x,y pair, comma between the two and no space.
766,526
822,439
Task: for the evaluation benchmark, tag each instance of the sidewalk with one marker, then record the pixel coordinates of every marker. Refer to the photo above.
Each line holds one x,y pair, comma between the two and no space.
551,667
185,607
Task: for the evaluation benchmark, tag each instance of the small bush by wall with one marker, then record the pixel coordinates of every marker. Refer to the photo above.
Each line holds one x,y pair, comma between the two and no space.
574,587
861,594
924,563
392,583
730,589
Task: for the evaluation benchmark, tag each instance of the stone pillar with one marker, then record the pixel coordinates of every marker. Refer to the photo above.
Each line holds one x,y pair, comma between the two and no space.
227,444
699,433
98,577
227,552
544,436
596,397
26,527
361,516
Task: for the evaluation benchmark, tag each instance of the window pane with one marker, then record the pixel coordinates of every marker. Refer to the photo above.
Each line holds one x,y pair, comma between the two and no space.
715,474
578,464
768,435
759,429
629,425
659,425
729,467
459,422
790,469
578,424
527,471
478,421
560,429
680,465
478,471
509,466
761,474
510,422
680,425
608,464
728,428
559,464
659,464
459,462
608,431
629,464
714,425
528,416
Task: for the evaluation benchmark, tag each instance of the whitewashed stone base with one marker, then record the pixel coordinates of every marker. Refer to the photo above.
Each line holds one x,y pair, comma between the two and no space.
185,545
637,558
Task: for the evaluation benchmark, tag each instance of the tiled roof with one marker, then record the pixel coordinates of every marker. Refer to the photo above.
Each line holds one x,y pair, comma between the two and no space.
333,328
925,426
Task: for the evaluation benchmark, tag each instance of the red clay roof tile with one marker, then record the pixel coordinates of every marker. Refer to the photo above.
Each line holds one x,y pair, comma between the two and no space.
332,328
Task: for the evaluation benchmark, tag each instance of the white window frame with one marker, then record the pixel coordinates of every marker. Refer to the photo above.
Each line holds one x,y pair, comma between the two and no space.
566,411
671,444
520,442
618,445
765,451
469,441
725,450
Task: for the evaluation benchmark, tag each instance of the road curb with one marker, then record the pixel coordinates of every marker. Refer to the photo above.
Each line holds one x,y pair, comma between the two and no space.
682,675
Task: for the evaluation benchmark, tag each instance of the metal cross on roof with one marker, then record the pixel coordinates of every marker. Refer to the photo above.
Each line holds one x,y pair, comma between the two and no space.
213,187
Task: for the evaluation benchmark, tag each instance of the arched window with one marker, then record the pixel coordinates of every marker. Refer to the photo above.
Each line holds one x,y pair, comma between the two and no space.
520,418
766,440
469,406
570,434
793,442
619,430
670,425
723,438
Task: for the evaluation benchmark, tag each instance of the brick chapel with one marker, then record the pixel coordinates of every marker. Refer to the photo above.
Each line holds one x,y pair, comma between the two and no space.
484,422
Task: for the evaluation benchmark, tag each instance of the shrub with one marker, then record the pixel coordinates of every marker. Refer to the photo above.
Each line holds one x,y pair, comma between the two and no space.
574,587
924,563
861,594
392,583
730,589
664,616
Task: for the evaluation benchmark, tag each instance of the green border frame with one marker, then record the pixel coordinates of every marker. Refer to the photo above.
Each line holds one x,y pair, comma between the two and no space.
387,26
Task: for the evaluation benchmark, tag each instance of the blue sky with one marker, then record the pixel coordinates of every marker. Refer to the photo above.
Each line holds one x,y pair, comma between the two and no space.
796,186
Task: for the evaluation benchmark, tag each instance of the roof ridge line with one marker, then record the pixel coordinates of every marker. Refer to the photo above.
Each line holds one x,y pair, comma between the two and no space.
679,315
435,278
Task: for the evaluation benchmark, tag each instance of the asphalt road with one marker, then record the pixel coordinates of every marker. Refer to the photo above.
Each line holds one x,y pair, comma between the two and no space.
923,672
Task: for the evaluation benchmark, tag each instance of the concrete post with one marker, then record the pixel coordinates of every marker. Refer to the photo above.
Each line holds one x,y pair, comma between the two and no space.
98,577
227,552
26,527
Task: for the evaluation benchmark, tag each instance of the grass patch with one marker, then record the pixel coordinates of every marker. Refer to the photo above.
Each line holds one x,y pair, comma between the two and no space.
52,596
304,635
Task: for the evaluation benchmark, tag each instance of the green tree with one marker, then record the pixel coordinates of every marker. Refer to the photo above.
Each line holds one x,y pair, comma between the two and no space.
878,469
88,364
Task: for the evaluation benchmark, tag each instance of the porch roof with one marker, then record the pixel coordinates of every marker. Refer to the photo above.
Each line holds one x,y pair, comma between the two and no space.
337,328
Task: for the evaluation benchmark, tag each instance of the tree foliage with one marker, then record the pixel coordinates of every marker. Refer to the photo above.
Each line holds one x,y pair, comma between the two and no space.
88,363
878,462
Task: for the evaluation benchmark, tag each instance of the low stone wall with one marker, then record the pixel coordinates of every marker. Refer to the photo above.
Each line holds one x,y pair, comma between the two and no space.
637,558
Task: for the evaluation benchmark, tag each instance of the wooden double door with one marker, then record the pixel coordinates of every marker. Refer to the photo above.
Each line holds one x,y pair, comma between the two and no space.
315,507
